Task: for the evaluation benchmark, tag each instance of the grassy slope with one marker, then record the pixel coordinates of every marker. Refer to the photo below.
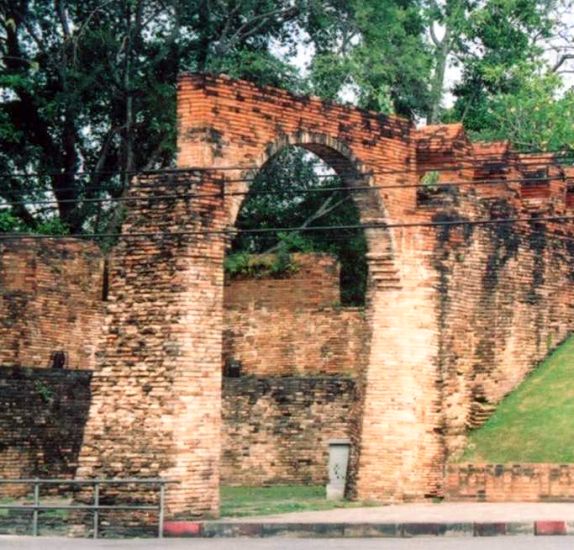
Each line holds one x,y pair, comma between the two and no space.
534,423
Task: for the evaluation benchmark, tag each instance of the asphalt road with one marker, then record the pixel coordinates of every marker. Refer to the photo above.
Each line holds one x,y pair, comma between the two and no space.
460,543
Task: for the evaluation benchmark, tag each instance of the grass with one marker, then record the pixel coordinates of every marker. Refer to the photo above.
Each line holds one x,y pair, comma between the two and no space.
277,499
46,514
534,423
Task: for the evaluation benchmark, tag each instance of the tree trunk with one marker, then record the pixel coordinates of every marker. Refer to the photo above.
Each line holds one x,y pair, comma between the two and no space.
437,84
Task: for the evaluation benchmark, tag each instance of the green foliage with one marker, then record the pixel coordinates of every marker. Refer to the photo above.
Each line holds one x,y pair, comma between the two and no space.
430,179
52,226
534,422
288,192
534,116
44,391
487,41
243,264
261,67
375,47
9,223
89,86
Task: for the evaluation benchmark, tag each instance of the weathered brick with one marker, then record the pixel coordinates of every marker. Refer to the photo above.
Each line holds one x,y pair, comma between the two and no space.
455,317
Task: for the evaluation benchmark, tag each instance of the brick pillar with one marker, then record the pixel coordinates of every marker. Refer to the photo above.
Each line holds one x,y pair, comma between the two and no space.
156,407
400,452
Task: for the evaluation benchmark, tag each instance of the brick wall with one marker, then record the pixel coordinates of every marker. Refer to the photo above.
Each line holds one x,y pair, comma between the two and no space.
165,320
293,325
224,123
515,290
42,417
453,318
277,429
510,482
505,293
50,299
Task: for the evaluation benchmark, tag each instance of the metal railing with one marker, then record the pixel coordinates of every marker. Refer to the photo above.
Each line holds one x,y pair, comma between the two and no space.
96,507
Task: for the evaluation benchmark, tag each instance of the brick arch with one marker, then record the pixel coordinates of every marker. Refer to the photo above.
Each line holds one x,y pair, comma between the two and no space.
156,406
338,156
227,123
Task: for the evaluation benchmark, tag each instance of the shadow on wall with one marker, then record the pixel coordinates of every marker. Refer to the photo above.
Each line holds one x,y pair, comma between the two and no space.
43,413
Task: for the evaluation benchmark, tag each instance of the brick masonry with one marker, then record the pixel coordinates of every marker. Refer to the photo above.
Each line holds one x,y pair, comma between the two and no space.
299,353
50,300
156,395
293,325
510,482
277,429
454,317
42,417
223,124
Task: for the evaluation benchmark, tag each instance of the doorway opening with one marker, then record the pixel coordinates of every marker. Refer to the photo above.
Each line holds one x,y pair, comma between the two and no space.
295,331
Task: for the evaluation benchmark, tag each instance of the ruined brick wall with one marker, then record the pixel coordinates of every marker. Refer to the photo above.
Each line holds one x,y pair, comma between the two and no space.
50,299
513,287
277,429
160,372
293,325
505,294
236,126
42,418
287,333
510,482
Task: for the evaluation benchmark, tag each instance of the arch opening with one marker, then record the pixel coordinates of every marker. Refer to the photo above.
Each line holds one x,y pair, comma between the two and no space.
296,337
305,186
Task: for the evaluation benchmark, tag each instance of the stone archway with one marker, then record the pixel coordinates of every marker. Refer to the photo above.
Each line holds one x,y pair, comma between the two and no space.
157,394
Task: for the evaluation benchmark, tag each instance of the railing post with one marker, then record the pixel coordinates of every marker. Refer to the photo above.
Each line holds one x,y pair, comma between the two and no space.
161,511
96,508
36,504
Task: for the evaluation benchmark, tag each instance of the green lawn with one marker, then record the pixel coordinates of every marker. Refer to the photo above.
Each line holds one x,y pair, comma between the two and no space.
534,423
277,499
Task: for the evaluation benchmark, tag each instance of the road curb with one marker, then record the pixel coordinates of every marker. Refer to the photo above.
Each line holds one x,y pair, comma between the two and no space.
223,529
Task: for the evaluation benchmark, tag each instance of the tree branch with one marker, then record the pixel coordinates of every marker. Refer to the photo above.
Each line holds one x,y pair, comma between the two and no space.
60,10
433,36
253,25
322,211
561,61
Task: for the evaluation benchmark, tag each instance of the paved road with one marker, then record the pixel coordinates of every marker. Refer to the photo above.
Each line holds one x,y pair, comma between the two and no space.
462,543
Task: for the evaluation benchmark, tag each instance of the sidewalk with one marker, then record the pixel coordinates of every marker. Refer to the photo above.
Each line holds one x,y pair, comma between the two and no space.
444,512
401,520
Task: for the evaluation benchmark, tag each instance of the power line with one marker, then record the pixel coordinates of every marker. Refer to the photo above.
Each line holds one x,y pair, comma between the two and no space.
256,231
549,159
223,193
316,176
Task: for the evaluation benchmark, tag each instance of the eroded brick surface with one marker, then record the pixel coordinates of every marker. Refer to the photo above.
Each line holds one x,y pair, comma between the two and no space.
50,300
510,482
454,316
277,429
293,325
156,405
42,417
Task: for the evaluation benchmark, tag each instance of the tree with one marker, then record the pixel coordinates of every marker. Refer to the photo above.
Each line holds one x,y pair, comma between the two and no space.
486,40
294,189
536,116
374,47
89,88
